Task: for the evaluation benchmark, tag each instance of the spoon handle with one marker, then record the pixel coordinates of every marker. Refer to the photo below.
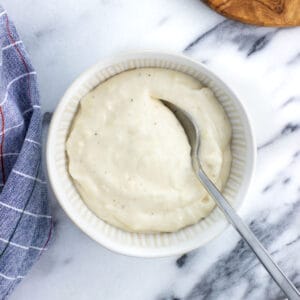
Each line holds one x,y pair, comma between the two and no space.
276,273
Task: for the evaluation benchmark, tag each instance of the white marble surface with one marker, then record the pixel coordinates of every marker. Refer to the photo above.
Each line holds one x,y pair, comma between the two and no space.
261,64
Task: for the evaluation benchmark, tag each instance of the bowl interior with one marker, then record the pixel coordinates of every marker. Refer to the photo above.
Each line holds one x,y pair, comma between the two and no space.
158,244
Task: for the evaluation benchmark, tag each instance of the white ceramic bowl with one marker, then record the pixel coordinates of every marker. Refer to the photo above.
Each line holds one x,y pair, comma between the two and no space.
160,244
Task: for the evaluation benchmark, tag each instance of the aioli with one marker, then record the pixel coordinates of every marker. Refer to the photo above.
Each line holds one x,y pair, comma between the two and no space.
130,158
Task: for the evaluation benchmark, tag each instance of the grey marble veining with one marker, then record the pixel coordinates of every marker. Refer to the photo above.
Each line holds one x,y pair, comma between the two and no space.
248,38
262,65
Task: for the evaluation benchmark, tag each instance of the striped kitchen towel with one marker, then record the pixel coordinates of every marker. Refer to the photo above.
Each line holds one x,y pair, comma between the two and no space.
25,223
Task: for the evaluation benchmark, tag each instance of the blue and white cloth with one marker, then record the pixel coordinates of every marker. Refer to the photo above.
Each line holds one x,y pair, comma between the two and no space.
25,223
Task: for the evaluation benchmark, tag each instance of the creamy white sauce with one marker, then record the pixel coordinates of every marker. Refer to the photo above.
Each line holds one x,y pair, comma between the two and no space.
130,158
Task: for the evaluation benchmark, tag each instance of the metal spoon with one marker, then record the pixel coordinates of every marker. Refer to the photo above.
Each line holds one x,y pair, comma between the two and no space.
193,135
